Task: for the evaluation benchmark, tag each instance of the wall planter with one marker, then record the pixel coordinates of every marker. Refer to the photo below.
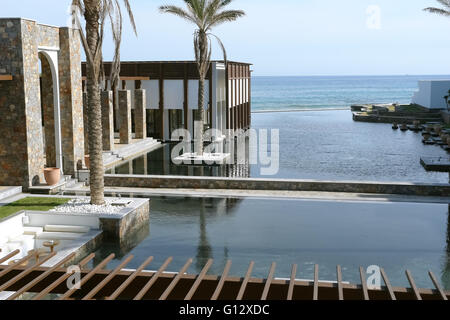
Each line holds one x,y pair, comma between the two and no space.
52,176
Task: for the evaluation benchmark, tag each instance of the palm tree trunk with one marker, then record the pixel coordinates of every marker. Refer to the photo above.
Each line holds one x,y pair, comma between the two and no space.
200,116
95,113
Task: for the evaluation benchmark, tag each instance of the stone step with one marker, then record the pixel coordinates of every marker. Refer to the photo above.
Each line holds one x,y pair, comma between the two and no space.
6,192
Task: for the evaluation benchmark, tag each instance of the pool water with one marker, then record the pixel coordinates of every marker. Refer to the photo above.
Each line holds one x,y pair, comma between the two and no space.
322,145
396,236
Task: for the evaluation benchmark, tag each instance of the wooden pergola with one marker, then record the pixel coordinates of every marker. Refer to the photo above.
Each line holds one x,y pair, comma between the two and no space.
26,275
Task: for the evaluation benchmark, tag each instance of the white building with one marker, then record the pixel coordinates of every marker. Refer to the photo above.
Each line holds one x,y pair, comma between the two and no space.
431,94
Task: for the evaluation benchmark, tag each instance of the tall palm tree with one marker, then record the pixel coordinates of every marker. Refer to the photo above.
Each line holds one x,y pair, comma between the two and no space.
205,14
96,13
445,12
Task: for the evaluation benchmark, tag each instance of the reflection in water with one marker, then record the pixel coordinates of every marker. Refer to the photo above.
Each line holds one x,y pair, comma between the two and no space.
446,269
394,235
204,251
158,162
122,248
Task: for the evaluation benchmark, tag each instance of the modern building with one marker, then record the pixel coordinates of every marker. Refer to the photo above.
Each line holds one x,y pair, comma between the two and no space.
431,94
43,108
171,89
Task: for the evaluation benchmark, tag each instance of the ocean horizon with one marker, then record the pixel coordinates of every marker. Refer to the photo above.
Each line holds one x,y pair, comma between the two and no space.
313,93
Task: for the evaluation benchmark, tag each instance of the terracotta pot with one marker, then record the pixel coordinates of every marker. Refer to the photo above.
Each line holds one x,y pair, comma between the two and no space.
52,176
87,161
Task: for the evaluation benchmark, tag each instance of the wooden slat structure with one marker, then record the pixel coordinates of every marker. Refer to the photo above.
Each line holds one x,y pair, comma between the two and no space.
100,284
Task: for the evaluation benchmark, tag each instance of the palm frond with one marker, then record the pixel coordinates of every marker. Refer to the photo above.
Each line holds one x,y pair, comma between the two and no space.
225,16
438,11
445,3
224,51
178,12
130,15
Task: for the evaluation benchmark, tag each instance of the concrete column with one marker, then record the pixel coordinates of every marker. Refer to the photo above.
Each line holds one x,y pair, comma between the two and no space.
125,116
145,164
107,120
140,119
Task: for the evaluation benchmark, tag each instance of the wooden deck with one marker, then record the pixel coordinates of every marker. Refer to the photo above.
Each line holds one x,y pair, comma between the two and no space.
119,284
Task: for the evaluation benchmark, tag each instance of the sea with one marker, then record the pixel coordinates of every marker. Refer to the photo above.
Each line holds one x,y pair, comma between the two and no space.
332,92
319,140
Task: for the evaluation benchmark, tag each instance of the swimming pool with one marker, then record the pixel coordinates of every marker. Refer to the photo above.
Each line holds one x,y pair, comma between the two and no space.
394,235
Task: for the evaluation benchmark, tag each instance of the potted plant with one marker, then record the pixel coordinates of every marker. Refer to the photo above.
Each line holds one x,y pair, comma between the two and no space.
52,176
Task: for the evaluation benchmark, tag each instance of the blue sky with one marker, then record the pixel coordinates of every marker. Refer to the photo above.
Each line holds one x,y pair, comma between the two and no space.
287,37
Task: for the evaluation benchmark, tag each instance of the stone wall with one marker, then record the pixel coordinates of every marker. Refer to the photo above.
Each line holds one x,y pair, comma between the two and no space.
125,116
21,138
47,36
119,229
107,120
172,182
21,134
140,113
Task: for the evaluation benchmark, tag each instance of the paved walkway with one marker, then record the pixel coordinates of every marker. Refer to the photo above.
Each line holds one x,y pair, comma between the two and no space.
333,196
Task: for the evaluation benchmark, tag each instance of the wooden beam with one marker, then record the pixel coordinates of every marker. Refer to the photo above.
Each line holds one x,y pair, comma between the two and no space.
41,277
175,281
130,279
316,283
245,282
339,283
437,286
61,279
292,283
268,282
388,284
155,277
105,281
17,263
413,285
363,283
9,256
6,77
25,272
136,78
199,279
86,278
222,281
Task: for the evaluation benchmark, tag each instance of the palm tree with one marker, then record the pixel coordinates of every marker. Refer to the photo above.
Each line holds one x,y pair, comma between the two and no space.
445,12
204,14
96,13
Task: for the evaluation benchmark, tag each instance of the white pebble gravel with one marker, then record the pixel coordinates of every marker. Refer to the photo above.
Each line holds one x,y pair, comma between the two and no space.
84,206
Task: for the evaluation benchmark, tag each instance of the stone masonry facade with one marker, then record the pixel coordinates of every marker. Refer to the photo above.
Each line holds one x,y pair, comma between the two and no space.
22,151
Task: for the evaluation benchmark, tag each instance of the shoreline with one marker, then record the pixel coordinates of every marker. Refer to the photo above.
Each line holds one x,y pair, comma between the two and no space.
301,110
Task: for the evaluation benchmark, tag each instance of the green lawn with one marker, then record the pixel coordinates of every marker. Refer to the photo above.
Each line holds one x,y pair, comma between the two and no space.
31,203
